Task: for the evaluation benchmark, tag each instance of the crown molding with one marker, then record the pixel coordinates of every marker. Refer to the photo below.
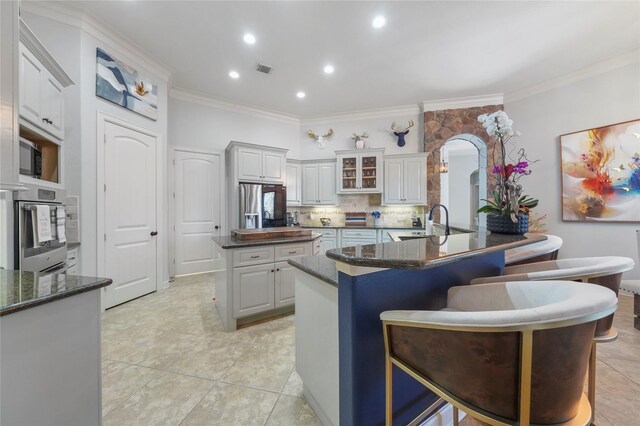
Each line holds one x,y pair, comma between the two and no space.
584,73
367,114
93,26
35,46
466,102
188,96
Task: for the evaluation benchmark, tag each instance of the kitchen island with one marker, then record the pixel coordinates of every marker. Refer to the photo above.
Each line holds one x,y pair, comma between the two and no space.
50,349
256,282
341,358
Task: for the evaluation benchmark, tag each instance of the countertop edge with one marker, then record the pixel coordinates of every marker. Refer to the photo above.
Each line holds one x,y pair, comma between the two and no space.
255,243
21,306
312,272
427,264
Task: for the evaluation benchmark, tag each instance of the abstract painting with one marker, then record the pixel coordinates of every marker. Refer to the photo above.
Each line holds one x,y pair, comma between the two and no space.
601,174
125,86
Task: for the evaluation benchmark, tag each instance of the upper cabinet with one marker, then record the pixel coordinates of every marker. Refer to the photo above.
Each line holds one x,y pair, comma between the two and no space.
263,165
319,183
405,179
294,183
41,81
360,171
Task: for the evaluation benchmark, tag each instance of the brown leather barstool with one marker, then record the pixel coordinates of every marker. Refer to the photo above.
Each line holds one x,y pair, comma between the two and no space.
505,353
532,253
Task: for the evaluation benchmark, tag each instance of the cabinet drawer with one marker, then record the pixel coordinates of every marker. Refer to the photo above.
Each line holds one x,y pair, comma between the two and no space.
285,251
317,247
253,256
351,242
328,232
359,233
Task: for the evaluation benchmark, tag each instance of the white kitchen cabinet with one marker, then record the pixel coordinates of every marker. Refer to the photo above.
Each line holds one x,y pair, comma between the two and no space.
328,243
41,99
358,237
360,171
294,183
328,240
285,284
261,165
253,289
405,179
319,183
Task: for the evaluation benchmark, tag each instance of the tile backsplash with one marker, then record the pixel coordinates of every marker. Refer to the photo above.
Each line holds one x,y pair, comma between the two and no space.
391,215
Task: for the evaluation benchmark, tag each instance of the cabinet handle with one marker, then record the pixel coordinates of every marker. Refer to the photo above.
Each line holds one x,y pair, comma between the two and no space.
255,257
278,270
216,227
293,252
272,270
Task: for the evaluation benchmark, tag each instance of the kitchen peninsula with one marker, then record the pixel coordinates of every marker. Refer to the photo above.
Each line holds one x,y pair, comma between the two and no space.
256,282
50,348
341,358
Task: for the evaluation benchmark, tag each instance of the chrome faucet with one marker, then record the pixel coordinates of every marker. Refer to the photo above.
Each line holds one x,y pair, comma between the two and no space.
447,231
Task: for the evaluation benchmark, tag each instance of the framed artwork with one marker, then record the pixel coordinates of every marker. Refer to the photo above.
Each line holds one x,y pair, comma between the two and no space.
601,174
123,85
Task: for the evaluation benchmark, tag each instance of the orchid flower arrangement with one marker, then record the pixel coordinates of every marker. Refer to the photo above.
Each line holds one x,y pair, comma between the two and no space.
508,199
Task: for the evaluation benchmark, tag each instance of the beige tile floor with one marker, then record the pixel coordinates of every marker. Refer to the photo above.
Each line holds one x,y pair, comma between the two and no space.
167,361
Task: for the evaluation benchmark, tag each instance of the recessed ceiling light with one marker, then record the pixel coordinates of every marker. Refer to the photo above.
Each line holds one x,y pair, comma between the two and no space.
234,74
379,21
301,95
328,69
249,38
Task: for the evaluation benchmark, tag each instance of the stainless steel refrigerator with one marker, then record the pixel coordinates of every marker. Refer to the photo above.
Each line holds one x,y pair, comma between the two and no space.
262,205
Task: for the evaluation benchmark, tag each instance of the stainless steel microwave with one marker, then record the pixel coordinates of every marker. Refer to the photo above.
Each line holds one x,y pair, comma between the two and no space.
30,159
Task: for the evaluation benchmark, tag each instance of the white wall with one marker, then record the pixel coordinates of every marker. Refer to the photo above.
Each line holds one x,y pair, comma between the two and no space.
603,99
461,164
380,135
207,127
75,50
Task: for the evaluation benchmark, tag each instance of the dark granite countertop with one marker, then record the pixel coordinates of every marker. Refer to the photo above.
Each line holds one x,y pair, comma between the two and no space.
318,266
71,246
21,290
357,227
230,242
430,252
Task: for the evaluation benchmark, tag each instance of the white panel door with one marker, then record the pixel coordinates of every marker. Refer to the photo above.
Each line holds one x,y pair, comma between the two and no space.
249,164
327,193
415,181
310,194
31,79
393,181
53,108
129,213
197,212
273,167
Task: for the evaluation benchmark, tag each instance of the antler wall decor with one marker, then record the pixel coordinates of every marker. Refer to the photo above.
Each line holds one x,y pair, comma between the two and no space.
401,132
359,140
320,139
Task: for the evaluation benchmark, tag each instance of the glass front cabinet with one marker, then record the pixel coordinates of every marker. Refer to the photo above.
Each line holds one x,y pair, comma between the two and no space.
360,171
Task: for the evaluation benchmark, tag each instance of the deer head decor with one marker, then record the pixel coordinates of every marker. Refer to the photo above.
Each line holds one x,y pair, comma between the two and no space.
320,139
400,133
359,140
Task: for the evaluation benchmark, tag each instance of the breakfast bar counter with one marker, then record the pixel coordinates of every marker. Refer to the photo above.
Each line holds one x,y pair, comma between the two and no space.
341,358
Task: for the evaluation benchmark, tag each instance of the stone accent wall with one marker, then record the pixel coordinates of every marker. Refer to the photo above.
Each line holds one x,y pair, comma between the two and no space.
439,127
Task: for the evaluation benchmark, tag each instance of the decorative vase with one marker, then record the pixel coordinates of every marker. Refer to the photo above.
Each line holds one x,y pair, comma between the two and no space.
501,224
377,222
359,144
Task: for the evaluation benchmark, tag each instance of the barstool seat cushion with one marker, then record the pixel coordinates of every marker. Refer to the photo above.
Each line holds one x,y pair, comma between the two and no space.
562,269
518,254
514,303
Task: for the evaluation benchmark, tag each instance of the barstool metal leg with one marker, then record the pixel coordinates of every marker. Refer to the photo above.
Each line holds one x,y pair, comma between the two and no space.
388,391
591,385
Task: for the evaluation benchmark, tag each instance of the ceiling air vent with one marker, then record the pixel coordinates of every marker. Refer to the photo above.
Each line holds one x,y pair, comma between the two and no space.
266,69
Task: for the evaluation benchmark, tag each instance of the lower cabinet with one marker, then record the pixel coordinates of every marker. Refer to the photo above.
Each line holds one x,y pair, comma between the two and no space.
253,290
284,284
328,243
262,279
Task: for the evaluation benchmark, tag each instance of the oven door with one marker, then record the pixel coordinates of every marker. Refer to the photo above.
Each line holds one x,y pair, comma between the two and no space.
30,254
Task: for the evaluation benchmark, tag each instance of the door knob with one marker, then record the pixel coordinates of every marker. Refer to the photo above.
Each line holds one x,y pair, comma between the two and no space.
154,233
